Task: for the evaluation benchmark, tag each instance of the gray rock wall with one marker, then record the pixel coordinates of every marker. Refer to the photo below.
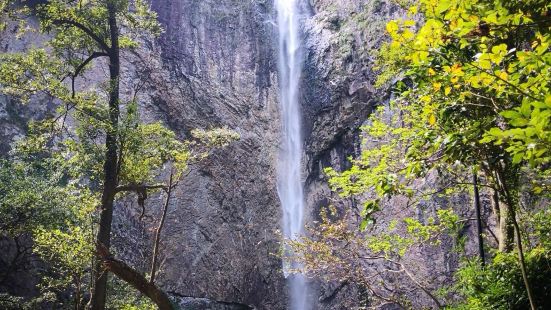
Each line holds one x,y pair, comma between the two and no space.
216,68
215,65
338,96
219,67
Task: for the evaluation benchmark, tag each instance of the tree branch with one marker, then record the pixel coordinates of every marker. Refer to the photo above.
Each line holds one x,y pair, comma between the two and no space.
134,278
81,66
140,187
90,58
409,275
158,231
86,30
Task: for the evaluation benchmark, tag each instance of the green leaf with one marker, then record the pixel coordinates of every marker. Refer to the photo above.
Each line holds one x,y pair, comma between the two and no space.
518,157
511,114
485,64
526,109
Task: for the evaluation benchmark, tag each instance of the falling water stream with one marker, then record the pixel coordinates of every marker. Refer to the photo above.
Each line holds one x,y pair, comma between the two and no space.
289,187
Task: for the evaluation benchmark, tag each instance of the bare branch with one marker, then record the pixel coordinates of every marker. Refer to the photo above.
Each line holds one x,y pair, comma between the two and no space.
90,58
158,231
140,187
409,275
81,66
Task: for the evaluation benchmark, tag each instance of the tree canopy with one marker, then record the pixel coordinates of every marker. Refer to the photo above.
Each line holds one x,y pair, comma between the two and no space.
471,82
62,180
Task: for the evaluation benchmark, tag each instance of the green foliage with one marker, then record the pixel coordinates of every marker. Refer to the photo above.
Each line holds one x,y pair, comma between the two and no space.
499,285
71,39
480,60
69,250
24,75
3,8
147,147
396,239
124,297
51,182
10,11
472,82
541,227
397,150
474,93
36,196
9,302
37,199
334,250
390,243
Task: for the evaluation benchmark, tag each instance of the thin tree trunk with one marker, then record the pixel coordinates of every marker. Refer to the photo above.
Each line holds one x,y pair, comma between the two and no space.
99,295
512,213
158,232
478,220
522,261
505,231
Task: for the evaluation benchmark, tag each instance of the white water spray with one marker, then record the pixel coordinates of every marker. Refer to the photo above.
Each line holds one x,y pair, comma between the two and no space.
289,175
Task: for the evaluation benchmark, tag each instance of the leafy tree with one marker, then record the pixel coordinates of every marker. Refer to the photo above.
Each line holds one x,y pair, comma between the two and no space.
474,79
38,201
4,10
375,260
500,285
108,151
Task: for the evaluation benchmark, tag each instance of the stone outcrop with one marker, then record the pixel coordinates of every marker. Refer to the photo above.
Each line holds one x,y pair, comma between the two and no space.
215,65
219,69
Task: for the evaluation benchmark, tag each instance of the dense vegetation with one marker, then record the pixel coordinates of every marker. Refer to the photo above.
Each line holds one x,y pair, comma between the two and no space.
61,183
471,112
472,108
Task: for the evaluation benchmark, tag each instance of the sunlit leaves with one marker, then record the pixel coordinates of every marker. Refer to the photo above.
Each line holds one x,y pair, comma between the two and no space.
37,197
478,76
27,74
498,285
491,77
530,137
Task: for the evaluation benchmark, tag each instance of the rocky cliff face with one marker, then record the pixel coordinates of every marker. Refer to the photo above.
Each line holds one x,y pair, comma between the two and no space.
219,68
216,68
338,91
338,96
215,65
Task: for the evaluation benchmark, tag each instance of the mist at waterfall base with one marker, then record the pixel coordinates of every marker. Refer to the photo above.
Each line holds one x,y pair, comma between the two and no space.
289,186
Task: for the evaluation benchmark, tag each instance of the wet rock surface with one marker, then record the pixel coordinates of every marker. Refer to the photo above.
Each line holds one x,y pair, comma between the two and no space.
193,303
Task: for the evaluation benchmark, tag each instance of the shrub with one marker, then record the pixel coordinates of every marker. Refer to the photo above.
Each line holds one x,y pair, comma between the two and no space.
499,285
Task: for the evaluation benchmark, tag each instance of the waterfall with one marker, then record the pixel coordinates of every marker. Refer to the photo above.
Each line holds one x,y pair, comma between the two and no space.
289,186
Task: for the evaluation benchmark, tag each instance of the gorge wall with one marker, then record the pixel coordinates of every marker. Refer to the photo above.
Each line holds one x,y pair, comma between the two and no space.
215,65
218,61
